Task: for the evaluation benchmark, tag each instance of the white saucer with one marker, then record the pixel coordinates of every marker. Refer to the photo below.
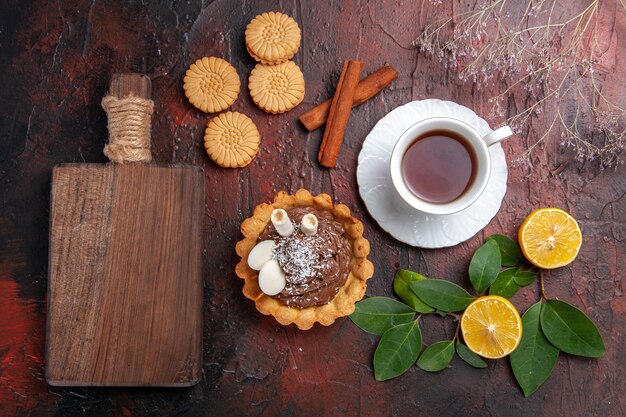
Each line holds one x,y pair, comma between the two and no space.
395,216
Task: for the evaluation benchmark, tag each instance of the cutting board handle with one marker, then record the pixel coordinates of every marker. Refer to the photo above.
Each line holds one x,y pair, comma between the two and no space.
129,111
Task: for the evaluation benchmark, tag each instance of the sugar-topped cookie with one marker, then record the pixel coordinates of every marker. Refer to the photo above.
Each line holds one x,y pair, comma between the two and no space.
277,88
211,84
231,140
272,38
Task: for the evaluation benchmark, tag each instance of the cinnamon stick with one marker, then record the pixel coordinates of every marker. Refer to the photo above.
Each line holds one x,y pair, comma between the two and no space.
367,88
339,113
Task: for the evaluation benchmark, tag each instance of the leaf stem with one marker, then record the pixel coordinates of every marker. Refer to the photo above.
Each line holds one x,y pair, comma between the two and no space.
541,287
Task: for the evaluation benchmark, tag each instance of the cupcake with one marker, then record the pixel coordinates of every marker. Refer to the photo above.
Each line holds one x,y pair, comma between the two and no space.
303,259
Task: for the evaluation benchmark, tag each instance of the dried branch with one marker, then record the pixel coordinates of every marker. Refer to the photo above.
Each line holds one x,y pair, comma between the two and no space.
552,62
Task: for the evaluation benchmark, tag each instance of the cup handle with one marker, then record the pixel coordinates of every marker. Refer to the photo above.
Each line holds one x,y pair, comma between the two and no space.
498,135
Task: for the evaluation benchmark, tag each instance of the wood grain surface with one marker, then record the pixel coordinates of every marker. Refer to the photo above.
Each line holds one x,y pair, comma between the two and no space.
125,282
57,58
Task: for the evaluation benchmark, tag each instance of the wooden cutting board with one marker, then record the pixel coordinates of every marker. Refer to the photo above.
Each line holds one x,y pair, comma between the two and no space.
125,271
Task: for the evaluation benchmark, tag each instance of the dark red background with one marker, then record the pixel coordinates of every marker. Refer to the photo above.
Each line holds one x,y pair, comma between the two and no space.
56,58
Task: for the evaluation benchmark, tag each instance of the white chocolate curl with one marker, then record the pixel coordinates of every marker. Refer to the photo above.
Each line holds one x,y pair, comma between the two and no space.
308,225
282,222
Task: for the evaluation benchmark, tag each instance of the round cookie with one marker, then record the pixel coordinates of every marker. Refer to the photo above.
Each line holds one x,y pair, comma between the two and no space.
231,140
272,38
276,88
211,84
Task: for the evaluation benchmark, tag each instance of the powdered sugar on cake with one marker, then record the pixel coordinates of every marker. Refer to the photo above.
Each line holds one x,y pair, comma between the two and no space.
298,256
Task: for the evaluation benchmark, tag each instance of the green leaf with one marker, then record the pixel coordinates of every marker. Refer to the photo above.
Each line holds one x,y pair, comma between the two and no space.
510,252
524,278
570,330
505,285
378,314
401,286
436,356
469,356
535,357
397,350
442,295
485,265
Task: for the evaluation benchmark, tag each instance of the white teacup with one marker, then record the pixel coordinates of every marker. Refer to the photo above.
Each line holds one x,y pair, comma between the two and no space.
482,163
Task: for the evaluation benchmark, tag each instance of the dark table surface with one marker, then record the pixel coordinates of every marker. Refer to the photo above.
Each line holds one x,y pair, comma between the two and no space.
56,58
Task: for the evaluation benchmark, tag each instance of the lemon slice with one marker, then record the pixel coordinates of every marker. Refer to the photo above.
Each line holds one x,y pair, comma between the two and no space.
491,327
550,238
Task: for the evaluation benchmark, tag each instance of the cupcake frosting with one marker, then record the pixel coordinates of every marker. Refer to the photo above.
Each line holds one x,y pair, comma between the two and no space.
316,266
